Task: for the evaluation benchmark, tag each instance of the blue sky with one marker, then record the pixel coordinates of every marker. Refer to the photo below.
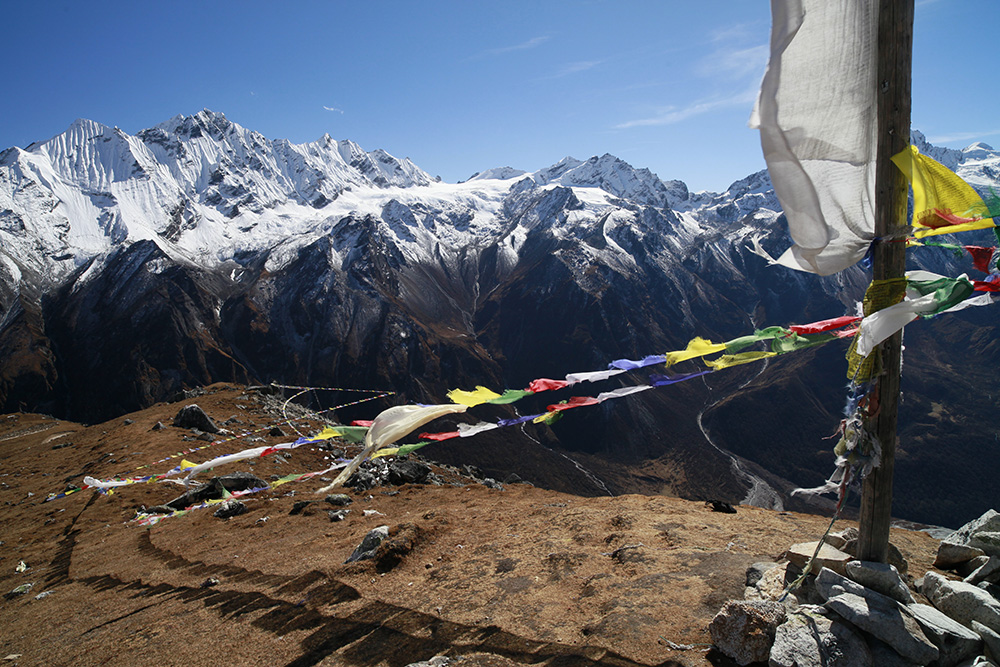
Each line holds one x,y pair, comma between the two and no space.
461,86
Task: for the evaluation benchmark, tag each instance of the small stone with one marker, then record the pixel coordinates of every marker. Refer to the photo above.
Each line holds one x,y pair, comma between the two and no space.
127,422
834,559
20,590
299,506
744,630
756,571
371,541
43,595
407,472
229,509
158,426
339,499
276,432
211,581
338,515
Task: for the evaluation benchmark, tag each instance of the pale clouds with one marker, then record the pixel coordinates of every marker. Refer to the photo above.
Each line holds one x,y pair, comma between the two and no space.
675,114
333,109
574,68
523,46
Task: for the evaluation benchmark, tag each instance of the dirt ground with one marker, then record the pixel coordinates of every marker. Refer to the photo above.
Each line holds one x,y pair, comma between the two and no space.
490,577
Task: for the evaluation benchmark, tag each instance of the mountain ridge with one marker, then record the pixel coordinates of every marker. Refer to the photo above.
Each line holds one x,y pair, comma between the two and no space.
199,251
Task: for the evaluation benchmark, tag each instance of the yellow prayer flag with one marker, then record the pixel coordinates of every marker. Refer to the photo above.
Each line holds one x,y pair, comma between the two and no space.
472,398
388,451
327,433
942,202
697,347
727,360
185,464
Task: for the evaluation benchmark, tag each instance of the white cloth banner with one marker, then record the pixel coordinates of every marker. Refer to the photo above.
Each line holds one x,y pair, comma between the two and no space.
388,427
591,376
816,115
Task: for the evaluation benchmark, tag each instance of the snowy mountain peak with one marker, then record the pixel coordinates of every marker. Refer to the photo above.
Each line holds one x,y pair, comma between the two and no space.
609,173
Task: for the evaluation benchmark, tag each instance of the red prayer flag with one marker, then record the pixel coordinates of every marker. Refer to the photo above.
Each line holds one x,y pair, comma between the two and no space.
544,384
362,422
575,402
823,325
447,435
985,286
980,257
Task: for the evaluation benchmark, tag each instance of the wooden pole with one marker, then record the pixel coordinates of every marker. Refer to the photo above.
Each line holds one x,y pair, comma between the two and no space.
895,48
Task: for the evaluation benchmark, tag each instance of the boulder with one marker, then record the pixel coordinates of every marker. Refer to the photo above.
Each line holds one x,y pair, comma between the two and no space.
963,602
744,629
829,557
950,555
192,416
829,584
880,577
887,620
895,557
814,637
756,571
339,499
884,655
955,642
982,533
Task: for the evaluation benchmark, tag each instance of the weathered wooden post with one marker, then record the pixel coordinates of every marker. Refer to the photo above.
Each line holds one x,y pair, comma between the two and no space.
895,48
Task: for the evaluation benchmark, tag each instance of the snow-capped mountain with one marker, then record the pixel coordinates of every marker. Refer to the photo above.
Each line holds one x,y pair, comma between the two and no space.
197,251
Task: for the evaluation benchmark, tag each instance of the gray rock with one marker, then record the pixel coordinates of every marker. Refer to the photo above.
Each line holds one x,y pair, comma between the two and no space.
339,499
407,472
884,618
158,426
955,642
983,533
895,555
951,555
990,638
214,489
978,661
963,602
838,540
192,416
988,572
829,557
829,584
338,515
229,509
810,638
371,542
968,567
436,661
880,577
744,630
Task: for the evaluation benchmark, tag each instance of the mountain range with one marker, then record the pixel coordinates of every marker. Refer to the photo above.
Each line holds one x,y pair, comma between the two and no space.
134,267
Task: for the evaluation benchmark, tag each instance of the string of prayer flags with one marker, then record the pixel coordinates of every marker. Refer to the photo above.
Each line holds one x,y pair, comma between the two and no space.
943,203
927,295
880,294
510,396
657,380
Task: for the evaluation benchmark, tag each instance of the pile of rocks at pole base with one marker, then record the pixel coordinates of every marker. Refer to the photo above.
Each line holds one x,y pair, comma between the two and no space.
851,613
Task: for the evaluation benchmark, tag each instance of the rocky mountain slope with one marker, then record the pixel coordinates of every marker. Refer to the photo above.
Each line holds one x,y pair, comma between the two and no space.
489,575
132,267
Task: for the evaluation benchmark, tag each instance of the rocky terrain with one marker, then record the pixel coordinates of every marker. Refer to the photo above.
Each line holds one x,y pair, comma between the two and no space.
480,571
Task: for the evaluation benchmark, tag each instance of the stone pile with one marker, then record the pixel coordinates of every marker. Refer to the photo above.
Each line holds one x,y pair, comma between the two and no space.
854,613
